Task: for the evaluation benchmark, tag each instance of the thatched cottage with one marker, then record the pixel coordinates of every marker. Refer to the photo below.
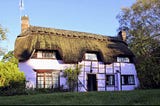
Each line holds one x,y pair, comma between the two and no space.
44,53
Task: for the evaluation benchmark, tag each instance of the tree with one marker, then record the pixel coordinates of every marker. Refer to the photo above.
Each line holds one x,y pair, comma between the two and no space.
71,74
9,72
2,37
141,21
12,80
9,57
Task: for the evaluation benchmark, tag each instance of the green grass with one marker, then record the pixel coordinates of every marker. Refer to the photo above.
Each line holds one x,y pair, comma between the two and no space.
136,97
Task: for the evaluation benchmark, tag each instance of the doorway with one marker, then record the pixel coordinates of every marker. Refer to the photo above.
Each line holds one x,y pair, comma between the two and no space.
91,82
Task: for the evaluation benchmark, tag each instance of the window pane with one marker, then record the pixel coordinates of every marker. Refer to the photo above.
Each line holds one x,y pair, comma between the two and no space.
90,56
42,85
110,79
55,79
131,79
48,74
127,79
48,54
40,74
122,80
122,59
39,54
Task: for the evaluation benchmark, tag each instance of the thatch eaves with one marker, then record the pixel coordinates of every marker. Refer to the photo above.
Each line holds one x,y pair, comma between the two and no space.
71,45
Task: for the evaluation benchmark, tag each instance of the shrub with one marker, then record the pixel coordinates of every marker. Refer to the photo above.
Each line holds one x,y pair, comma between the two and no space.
12,81
71,74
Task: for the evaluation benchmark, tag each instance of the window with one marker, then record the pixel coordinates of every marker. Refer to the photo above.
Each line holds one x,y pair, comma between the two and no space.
110,79
40,80
127,79
123,59
46,54
90,56
47,80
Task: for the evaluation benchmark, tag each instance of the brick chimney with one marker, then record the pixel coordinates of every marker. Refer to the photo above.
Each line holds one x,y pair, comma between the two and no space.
122,35
24,23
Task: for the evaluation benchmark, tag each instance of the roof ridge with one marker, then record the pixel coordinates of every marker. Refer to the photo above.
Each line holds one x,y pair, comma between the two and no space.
67,30
68,33
71,32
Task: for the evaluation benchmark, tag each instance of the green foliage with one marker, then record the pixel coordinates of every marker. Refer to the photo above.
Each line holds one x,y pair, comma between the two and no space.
149,73
2,33
43,91
9,57
142,21
12,81
72,76
2,37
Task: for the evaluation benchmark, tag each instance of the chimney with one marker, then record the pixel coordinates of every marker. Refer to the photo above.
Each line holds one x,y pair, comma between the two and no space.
24,23
122,35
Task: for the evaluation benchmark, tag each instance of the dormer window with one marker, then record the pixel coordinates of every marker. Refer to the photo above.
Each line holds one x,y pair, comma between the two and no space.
44,54
123,59
91,56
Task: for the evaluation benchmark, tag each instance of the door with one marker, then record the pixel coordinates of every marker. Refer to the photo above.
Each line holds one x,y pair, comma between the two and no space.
91,82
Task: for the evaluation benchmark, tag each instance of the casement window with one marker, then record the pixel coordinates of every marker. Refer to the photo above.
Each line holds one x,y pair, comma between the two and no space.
90,56
110,80
47,80
127,79
123,59
46,54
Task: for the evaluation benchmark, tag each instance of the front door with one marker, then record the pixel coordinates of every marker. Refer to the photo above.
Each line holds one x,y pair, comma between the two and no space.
91,82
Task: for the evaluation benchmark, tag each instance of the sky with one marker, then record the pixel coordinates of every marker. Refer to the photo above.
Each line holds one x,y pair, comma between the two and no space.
93,16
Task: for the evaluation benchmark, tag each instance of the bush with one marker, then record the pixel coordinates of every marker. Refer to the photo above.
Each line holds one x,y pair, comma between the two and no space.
71,74
43,90
149,73
14,88
12,81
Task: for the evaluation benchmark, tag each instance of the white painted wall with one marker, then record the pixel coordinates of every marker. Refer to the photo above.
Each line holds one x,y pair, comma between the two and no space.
50,64
128,68
30,74
117,69
29,66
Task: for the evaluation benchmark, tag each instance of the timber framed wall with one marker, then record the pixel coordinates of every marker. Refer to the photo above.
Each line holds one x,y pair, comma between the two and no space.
98,68
102,71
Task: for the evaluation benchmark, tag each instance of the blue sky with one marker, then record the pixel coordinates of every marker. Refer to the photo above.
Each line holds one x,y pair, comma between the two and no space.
94,16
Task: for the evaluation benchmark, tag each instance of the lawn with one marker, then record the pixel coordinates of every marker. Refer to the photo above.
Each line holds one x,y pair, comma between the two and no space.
136,97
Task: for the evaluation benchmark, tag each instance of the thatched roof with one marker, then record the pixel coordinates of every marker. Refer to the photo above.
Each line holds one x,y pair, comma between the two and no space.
71,45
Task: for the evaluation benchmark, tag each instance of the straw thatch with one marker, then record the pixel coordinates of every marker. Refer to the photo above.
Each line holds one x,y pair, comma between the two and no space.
71,45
